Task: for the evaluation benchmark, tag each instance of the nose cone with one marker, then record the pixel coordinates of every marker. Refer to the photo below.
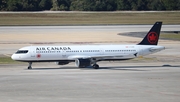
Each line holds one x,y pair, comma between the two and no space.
14,57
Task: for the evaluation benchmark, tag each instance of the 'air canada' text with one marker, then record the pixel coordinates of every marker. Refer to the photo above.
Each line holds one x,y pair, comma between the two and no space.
52,48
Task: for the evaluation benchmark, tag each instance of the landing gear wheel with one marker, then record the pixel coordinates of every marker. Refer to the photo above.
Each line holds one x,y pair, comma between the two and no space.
29,67
96,66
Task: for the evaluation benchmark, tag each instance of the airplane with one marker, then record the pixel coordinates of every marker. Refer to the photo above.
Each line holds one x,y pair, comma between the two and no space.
88,55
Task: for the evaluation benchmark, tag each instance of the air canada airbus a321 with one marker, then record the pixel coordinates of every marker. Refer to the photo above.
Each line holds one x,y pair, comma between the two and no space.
89,55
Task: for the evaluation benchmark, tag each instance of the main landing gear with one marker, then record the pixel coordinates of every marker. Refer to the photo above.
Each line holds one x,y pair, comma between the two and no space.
95,66
30,67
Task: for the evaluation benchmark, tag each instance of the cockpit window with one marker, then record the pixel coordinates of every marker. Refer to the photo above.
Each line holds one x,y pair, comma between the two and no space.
21,51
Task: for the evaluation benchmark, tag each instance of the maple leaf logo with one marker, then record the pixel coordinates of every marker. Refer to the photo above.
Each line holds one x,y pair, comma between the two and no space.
152,37
38,55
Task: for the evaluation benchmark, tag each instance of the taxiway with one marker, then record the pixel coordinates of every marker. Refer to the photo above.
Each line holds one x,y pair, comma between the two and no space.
114,82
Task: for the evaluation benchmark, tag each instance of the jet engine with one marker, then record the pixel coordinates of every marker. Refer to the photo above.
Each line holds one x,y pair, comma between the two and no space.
82,63
62,62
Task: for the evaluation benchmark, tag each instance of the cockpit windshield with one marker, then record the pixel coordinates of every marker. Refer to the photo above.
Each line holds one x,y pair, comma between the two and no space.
22,51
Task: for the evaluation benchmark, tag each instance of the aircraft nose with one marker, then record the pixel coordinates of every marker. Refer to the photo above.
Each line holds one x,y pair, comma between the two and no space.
14,57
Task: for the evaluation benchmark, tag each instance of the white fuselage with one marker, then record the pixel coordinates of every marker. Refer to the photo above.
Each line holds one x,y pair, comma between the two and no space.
99,52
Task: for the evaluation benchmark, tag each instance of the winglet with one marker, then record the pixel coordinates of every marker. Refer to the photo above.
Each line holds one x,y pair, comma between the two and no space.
152,36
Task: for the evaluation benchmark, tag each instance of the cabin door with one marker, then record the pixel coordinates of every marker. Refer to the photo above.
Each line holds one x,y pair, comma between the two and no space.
32,50
102,51
64,54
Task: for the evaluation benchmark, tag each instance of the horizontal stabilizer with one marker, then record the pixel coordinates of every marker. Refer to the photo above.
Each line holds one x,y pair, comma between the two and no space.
156,49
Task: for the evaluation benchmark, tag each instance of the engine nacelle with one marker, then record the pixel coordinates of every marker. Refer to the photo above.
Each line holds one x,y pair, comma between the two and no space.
81,63
62,62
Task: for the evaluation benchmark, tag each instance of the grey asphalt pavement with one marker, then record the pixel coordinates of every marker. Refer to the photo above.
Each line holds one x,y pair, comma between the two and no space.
114,82
105,28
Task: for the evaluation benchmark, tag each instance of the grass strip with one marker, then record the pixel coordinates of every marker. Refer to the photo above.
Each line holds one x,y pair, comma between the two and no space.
7,60
93,18
170,36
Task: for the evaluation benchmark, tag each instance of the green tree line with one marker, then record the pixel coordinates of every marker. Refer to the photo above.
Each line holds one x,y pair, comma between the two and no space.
88,5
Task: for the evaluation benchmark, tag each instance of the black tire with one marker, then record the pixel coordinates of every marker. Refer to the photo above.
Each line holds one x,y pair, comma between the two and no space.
96,66
29,67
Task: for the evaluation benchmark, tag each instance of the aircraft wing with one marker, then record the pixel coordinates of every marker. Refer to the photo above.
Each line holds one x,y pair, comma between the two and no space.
100,56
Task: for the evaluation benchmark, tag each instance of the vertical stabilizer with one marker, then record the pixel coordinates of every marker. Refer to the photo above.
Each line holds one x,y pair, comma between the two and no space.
152,36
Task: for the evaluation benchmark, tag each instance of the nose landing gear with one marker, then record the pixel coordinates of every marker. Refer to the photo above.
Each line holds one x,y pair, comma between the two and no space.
30,67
